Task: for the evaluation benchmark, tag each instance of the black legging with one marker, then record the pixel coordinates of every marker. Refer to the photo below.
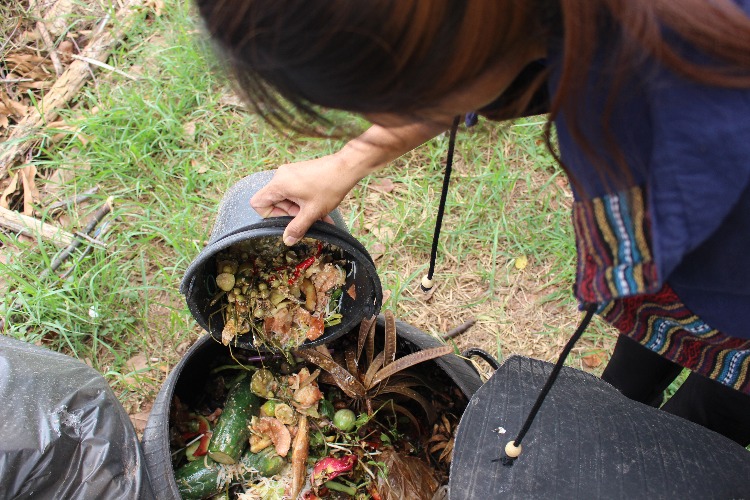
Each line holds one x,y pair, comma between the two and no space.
643,375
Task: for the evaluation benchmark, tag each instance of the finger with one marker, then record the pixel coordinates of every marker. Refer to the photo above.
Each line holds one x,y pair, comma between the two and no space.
298,226
277,212
265,198
281,212
328,219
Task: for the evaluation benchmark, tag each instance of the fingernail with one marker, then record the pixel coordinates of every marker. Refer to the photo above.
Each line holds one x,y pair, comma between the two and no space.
266,212
290,240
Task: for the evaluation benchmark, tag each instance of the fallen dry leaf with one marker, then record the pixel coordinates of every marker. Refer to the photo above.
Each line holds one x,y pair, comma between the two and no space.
139,419
382,184
380,233
201,168
232,101
426,296
133,366
65,49
377,251
12,187
30,192
182,347
156,5
591,361
189,129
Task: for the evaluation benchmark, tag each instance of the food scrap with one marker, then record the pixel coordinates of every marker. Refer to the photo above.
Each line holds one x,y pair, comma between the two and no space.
282,296
347,422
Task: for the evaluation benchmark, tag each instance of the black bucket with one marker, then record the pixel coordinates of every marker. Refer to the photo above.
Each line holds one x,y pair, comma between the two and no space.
187,378
237,221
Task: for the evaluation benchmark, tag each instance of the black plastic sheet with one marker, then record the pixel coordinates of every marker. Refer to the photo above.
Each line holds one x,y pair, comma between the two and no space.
63,433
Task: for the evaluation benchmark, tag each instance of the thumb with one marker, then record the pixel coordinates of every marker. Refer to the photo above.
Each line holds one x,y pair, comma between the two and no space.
298,226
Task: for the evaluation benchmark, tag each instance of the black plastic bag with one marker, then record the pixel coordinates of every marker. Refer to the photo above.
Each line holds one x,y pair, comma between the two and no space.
63,433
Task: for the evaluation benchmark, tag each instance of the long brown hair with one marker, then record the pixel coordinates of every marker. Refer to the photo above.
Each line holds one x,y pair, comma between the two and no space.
366,56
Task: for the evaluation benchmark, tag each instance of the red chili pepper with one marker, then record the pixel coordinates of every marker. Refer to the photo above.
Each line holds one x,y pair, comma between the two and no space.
301,267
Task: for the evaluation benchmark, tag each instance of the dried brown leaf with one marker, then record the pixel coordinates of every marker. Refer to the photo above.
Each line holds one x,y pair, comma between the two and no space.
591,361
366,328
382,184
373,368
377,251
412,394
30,192
411,360
345,380
390,338
9,190
408,477
136,364
300,452
139,419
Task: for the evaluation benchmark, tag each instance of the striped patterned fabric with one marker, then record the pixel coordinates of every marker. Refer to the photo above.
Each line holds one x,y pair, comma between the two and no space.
616,270
613,234
662,323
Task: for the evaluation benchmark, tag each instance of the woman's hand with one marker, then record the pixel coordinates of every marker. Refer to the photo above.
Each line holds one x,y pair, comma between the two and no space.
310,190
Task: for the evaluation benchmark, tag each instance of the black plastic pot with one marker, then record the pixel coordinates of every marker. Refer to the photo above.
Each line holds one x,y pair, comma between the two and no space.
587,441
237,221
186,379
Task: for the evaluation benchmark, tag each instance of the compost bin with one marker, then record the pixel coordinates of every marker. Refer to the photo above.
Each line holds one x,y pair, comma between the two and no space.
186,379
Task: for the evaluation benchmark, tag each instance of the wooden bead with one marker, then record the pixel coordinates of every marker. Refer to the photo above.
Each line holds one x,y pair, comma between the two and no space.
426,282
512,450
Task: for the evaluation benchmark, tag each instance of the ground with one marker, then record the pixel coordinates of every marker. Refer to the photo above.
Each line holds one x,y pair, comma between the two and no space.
150,122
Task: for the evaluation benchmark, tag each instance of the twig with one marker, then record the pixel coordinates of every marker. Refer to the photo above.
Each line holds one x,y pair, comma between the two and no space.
103,65
15,80
95,242
31,227
50,45
95,219
99,231
459,329
68,202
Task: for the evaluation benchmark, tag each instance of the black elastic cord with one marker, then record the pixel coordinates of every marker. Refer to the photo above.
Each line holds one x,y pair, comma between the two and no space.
590,309
443,197
487,357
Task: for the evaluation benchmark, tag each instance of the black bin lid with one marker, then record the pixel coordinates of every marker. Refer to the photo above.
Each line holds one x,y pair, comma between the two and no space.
588,441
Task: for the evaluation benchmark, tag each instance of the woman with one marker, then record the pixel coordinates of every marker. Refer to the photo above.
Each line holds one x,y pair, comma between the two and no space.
651,103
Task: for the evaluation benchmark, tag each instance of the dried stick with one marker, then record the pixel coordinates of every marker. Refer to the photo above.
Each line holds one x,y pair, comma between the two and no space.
459,329
65,88
50,46
98,232
31,227
68,202
95,219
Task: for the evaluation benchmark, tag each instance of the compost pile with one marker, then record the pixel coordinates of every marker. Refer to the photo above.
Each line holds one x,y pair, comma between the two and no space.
320,423
282,296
